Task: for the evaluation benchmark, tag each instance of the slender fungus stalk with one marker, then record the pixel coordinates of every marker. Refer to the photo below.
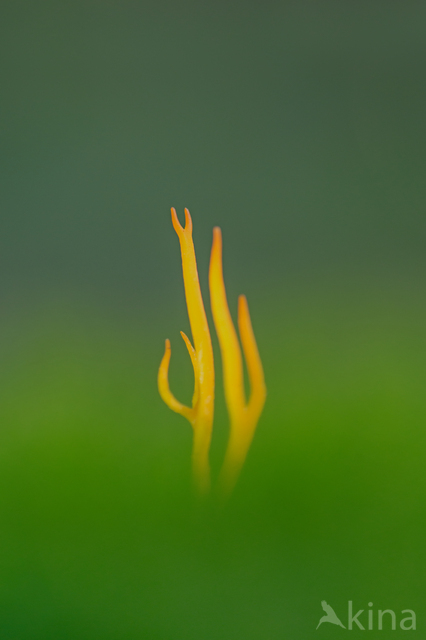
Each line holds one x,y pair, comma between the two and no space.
200,415
243,416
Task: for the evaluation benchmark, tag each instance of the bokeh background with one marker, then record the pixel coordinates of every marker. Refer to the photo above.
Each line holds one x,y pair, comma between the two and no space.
299,128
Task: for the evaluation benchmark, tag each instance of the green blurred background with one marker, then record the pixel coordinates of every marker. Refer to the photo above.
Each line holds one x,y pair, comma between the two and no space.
299,128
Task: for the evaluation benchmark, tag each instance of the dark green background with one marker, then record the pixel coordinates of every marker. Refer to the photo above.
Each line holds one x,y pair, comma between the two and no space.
299,128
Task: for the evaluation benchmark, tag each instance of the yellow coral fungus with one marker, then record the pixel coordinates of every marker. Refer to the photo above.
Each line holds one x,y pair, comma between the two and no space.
200,415
243,416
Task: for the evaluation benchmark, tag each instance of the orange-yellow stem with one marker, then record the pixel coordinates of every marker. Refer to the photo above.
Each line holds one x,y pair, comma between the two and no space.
201,413
243,416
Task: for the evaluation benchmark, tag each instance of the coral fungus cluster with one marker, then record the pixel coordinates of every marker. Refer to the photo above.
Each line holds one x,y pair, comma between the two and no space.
243,414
